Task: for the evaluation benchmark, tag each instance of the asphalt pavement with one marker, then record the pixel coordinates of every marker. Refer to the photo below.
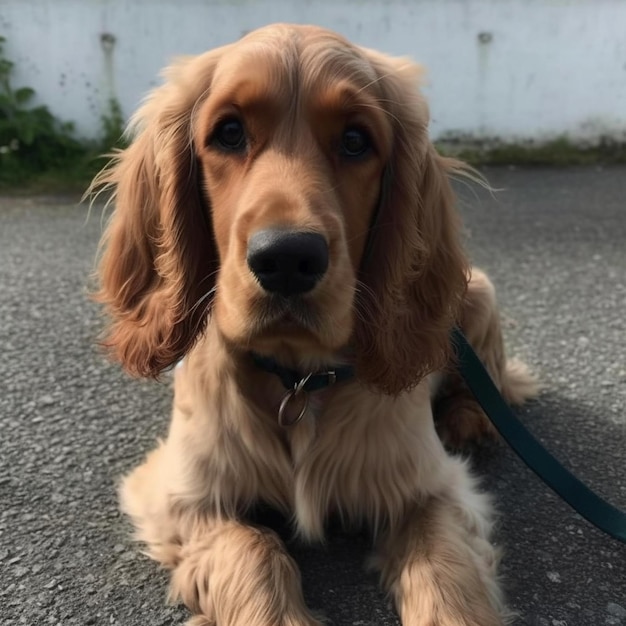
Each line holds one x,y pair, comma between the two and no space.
554,242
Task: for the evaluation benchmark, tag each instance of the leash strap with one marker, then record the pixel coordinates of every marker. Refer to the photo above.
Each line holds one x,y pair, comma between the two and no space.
584,501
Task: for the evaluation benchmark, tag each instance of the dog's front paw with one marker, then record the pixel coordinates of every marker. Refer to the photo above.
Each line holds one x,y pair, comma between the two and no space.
201,620
305,621
461,422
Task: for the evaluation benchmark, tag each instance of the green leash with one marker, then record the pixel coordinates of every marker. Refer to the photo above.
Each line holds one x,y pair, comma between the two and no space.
584,501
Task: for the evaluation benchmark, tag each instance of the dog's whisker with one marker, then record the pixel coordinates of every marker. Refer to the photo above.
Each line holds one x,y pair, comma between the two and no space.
386,112
366,304
202,299
378,79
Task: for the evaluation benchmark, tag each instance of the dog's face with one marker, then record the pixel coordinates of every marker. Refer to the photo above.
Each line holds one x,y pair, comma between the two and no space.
249,194
292,144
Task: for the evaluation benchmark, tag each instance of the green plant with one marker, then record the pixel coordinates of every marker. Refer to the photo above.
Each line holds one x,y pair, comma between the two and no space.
555,152
31,139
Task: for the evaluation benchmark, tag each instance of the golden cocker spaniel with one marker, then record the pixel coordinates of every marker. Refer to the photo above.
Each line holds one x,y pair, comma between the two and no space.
283,222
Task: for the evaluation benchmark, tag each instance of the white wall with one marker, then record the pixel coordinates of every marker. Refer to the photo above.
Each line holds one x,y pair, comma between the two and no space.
512,69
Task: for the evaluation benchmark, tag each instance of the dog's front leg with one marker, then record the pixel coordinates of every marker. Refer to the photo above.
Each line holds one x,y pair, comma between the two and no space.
459,417
439,565
233,574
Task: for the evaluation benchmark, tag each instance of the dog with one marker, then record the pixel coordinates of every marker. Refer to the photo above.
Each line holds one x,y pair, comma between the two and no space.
285,232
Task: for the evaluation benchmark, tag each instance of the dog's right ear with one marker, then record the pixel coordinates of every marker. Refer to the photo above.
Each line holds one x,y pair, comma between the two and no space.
158,259
415,276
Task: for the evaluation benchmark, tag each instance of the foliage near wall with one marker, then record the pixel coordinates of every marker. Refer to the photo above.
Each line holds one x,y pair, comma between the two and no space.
39,151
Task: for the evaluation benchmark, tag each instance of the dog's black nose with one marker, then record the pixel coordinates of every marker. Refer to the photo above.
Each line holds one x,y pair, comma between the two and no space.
287,262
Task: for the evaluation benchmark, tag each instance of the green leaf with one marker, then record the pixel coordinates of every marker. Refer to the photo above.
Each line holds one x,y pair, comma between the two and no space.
23,95
5,66
28,134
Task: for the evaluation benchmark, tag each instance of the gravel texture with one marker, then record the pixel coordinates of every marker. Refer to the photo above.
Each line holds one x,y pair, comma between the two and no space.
71,424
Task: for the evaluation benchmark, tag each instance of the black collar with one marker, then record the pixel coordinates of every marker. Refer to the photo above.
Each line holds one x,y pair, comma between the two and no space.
308,382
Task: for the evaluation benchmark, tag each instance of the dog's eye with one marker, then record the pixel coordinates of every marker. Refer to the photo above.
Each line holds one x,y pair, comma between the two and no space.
355,142
230,135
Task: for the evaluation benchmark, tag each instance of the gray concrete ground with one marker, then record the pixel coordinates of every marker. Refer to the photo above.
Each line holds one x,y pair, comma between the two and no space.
71,424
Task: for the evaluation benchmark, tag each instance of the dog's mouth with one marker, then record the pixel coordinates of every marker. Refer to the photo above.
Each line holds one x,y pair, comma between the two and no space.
277,313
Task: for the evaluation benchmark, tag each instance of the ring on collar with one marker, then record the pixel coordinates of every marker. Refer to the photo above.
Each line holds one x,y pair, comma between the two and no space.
292,394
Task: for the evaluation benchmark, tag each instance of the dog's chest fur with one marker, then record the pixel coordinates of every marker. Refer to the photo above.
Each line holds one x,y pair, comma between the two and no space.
363,458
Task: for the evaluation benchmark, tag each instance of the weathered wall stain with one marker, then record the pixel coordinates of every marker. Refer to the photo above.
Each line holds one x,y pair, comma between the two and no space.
107,42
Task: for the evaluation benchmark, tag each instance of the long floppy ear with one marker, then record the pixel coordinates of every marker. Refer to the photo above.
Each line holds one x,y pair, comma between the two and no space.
414,274
158,258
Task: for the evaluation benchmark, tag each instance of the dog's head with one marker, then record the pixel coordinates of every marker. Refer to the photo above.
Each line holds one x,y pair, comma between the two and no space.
284,186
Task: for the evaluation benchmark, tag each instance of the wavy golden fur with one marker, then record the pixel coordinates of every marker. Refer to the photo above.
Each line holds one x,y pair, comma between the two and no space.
294,129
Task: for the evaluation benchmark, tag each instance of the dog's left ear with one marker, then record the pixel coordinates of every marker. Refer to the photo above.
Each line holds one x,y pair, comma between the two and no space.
415,273
158,258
